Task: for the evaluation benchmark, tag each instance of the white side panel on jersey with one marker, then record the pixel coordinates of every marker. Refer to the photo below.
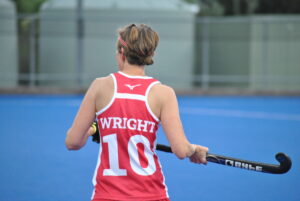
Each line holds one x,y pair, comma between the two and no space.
147,104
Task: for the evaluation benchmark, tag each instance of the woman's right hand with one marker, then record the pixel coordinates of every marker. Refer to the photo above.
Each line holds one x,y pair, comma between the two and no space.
199,155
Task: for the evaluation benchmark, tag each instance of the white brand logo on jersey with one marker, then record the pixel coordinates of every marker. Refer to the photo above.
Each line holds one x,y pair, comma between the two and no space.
131,87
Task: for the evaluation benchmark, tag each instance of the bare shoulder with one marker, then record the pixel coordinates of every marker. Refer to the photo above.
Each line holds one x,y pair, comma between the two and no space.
159,97
102,82
162,94
103,91
163,91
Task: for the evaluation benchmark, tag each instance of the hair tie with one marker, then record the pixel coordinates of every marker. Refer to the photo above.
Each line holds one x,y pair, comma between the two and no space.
122,42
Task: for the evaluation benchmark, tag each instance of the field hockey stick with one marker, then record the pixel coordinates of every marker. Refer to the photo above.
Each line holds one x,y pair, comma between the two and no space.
283,159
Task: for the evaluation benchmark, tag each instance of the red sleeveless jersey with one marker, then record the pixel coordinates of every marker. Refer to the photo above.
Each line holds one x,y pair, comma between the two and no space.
128,167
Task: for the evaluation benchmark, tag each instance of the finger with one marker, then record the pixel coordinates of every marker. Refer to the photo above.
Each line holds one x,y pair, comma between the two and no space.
203,160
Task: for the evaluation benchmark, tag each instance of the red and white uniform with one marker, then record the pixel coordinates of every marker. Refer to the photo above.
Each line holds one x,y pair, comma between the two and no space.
128,167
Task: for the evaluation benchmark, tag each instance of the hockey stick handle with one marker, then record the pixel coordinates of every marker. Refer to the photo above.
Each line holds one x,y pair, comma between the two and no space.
283,159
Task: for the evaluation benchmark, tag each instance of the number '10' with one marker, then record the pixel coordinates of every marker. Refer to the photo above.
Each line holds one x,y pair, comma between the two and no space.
114,165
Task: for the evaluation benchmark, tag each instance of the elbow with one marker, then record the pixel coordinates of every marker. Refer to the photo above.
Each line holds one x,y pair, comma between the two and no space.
71,147
71,143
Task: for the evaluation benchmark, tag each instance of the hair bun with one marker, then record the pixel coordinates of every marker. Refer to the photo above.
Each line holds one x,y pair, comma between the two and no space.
149,60
141,42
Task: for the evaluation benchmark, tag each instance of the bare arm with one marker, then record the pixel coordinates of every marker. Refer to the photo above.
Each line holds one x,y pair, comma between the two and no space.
81,128
173,129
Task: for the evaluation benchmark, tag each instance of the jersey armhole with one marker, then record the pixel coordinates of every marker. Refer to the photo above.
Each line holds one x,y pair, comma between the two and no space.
146,101
112,99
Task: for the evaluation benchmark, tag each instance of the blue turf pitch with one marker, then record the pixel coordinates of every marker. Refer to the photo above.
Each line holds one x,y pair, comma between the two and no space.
36,166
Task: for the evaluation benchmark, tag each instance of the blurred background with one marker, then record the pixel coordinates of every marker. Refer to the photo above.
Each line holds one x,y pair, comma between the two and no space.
235,65
206,45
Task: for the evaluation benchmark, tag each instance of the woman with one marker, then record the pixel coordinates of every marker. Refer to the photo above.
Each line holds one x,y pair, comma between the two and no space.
129,106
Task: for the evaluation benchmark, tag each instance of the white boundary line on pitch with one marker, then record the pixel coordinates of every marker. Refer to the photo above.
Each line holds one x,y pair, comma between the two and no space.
240,113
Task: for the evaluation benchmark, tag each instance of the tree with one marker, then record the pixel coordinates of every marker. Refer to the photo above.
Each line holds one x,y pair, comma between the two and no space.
246,7
278,7
26,24
28,6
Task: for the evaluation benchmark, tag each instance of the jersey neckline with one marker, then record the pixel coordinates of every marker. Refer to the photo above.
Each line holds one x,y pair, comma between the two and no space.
134,76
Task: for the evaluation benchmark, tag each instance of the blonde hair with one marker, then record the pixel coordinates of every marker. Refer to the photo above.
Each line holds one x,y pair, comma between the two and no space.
139,43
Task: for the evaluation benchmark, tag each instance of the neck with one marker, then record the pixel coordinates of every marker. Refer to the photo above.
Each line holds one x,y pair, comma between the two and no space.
134,70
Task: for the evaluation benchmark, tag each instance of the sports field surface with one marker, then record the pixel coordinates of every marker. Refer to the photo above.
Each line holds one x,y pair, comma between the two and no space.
36,166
